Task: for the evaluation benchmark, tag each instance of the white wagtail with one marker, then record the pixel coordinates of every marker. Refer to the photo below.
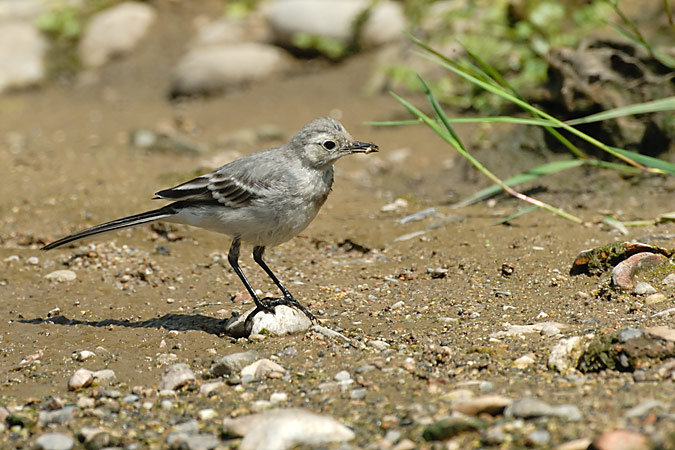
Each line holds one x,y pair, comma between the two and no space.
264,199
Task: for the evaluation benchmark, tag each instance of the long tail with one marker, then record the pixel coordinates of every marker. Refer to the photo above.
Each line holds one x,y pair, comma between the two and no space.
136,219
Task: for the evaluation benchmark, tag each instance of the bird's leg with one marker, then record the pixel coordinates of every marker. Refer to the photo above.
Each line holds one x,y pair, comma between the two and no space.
288,298
233,258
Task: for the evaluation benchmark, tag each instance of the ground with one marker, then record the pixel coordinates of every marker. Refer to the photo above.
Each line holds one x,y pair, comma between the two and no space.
141,293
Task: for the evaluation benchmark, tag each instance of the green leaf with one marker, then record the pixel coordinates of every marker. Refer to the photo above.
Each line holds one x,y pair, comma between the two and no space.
663,104
661,165
532,174
516,214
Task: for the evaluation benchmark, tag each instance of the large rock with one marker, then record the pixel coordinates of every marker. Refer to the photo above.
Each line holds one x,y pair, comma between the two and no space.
115,31
215,68
22,51
334,19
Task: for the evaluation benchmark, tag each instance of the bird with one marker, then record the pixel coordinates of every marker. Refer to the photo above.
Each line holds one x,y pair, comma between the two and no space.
263,199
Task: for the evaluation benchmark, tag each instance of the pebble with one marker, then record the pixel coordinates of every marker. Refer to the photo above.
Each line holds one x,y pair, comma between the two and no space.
487,404
58,417
379,345
130,399
214,68
334,20
285,320
643,288
114,31
33,261
529,408
54,441
343,375
61,276
621,440
523,362
622,274
655,298
84,355
82,378
644,408
22,52
627,334
278,397
545,328
208,388
576,444
452,426
281,429
565,354
104,376
669,280
538,438
357,394
396,205
233,363
207,414
85,402
261,369
177,376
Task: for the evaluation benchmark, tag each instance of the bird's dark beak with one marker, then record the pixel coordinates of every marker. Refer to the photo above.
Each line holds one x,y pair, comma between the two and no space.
362,147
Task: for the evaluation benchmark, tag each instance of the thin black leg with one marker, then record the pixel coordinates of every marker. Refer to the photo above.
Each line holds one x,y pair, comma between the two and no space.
288,298
233,258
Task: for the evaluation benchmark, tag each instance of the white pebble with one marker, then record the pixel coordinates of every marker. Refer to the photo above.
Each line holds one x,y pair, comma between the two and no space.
84,355
207,414
33,261
61,276
278,397
80,379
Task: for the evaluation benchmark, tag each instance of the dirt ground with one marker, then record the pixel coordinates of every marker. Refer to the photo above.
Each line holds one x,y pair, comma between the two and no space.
66,164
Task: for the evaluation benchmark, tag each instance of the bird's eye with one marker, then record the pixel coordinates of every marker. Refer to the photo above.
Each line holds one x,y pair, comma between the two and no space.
329,145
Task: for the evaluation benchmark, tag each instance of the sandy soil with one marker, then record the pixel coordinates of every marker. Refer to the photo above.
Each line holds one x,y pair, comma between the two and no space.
66,164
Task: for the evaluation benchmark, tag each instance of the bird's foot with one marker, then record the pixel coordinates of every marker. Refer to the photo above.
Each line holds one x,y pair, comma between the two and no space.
268,304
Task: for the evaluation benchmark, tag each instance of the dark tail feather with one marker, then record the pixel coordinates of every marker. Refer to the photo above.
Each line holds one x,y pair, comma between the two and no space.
124,222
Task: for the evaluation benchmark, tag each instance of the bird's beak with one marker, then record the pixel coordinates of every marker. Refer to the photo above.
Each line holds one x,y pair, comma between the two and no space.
362,147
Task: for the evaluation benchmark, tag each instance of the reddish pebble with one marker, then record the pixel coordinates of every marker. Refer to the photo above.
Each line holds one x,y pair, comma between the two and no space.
622,275
621,440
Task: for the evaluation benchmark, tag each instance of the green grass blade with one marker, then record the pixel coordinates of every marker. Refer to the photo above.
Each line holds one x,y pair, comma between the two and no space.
532,174
663,104
658,164
487,119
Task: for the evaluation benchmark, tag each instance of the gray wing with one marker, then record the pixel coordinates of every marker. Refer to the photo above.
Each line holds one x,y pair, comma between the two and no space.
232,188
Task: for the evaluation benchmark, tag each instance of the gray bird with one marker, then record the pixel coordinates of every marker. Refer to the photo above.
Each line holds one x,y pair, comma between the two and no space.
263,199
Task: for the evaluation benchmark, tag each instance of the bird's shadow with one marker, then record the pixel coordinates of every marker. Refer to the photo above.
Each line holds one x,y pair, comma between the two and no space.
178,322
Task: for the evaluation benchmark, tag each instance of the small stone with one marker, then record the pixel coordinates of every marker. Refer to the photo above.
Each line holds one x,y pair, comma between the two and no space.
84,355
396,205
61,276
379,345
357,394
538,438
669,280
278,397
490,404
263,368
22,54
576,444
81,378
655,298
177,376
523,362
114,31
85,402
233,363
343,376
54,441
643,288
208,388
165,359
280,429
644,408
104,376
545,328
130,399
58,417
207,414
529,408
452,426
621,440
627,334
565,354
33,261
622,274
